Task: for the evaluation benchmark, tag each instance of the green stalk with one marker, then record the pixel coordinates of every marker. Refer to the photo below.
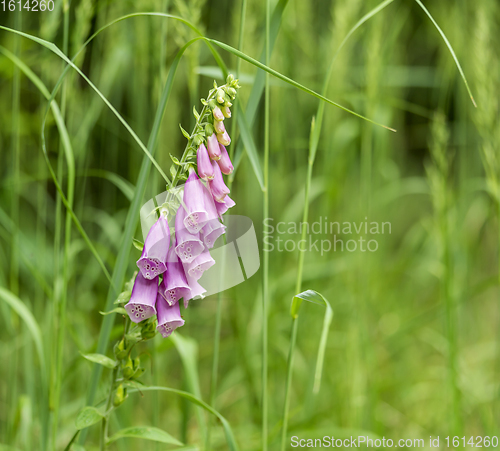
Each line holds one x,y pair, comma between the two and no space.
218,313
298,286
265,269
14,210
107,412
62,300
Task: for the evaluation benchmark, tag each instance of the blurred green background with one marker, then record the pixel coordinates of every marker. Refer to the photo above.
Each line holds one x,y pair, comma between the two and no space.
413,349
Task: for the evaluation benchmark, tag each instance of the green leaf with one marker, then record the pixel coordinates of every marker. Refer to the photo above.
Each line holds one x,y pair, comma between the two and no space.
123,297
318,299
101,360
87,417
184,132
228,432
139,245
175,160
119,310
188,351
146,433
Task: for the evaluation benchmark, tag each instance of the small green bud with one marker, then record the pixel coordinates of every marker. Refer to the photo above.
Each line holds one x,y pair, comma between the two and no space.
220,95
148,330
120,350
198,139
128,369
209,129
138,373
226,112
212,104
231,92
120,395
229,79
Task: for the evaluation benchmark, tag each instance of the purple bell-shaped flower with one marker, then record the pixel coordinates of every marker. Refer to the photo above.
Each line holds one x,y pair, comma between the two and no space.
143,298
199,265
187,245
154,253
174,285
169,317
196,214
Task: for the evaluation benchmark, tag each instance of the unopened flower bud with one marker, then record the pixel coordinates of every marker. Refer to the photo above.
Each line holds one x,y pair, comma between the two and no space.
218,116
220,96
209,129
229,79
120,395
226,111
205,170
219,127
197,140
128,369
227,103
148,331
213,147
225,164
212,104
224,138
231,92
120,350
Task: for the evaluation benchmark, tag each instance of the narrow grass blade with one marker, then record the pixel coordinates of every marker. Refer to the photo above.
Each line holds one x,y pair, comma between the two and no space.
318,299
290,81
27,317
231,442
450,48
67,146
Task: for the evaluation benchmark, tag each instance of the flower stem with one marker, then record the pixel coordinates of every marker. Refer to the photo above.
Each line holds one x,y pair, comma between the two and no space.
107,413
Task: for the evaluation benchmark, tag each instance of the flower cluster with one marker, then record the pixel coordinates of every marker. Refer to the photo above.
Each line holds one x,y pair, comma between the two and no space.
170,266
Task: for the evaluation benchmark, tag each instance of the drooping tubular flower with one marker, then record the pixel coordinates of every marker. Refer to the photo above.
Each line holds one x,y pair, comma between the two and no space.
197,291
188,245
154,253
213,147
169,317
199,265
222,207
224,163
226,112
174,285
224,138
205,169
212,230
196,215
217,186
143,298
